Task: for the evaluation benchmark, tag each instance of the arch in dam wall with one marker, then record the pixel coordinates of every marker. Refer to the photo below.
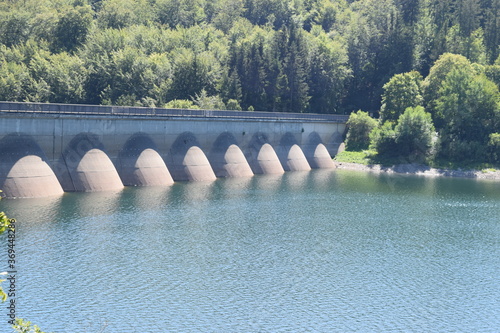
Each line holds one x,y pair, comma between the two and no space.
261,156
85,167
227,159
84,164
97,148
140,164
316,152
24,171
291,155
187,161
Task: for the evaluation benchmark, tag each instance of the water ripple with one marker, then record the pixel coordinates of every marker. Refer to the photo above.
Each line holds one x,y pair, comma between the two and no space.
317,252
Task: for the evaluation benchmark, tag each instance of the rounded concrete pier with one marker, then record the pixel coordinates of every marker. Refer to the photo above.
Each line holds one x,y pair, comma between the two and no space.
316,153
187,162
267,162
227,159
291,155
30,177
85,167
321,159
261,156
295,160
95,172
147,169
140,164
24,172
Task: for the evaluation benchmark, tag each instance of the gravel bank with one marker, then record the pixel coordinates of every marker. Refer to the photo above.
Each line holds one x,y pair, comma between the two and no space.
419,169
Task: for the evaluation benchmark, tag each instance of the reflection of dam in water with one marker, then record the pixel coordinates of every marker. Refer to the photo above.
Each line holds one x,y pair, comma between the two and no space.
46,149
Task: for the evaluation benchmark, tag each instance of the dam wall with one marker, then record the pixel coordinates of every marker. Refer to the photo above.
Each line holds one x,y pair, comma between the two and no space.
47,149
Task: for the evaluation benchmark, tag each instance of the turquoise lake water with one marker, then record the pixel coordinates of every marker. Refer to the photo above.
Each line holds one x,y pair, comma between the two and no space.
320,251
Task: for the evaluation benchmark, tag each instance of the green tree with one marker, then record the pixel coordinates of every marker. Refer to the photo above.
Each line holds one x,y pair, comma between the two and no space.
378,48
204,101
414,134
493,73
98,57
468,109
492,30
226,12
328,72
185,13
432,84
233,104
383,140
401,92
64,74
14,27
230,87
275,13
360,125
72,28
470,46
181,104
291,86
494,147
23,326
424,39
247,59
118,14
468,16
193,72
17,84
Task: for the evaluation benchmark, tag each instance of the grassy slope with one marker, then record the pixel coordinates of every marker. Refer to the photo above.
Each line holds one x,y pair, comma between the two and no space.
369,157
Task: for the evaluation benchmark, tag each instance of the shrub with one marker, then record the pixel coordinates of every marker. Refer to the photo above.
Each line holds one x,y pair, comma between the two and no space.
360,125
494,147
383,140
401,92
411,139
414,134
233,104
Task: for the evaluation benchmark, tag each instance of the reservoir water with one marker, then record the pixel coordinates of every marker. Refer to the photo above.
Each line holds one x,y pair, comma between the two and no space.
320,251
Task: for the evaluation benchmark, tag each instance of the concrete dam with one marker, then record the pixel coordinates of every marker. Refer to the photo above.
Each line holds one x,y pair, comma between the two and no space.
47,149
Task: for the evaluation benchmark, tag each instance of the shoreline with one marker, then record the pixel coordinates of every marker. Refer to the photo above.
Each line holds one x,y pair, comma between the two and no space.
419,170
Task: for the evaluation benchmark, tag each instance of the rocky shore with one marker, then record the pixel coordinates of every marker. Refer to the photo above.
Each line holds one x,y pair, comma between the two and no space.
420,169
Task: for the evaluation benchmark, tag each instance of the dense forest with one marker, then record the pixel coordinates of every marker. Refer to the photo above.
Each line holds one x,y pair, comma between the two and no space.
322,56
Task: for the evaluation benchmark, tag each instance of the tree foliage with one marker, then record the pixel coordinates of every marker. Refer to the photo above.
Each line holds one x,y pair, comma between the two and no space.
411,139
401,92
324,56
360,126
468,111
414,134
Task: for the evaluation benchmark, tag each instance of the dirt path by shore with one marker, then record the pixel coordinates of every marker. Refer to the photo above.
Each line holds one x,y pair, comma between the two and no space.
419,169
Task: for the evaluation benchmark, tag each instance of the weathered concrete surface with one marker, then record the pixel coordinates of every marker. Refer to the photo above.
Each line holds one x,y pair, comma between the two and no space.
316,153
227,159
196,166
85,167
291,156
147,169
187,162
321,159
24,172
95,172
140,164
232,164
138,146
261,155
267,162
296,160
30,177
